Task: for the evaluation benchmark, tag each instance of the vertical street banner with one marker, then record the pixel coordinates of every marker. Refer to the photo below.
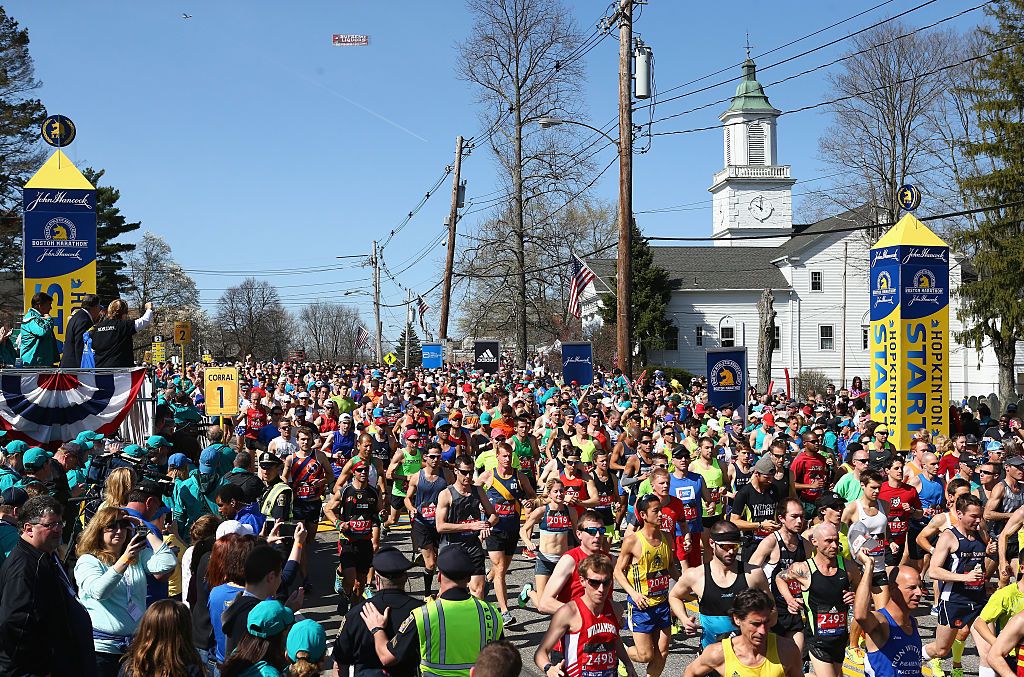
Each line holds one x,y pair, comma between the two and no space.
727,378
485,356
909,334
433,356
578,363
59,238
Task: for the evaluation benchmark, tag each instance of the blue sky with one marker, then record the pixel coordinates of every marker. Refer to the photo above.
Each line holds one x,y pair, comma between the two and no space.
251,144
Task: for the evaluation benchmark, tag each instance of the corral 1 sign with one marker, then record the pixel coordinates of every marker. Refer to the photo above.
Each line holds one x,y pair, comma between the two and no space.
909,281
727,378
433,356
578,363
221,391
485,356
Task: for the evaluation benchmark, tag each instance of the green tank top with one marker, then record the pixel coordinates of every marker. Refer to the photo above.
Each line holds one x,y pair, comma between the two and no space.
411,465
522,453
714,478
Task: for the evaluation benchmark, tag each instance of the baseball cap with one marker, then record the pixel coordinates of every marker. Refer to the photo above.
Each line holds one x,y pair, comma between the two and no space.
765,466
498,432
768,419
269,618
133,451
411,433
178,461
308,637
831,499
233,527
154,441
35,458
208,460
1017,461
345,417
17,447
444,423
455,563
13,496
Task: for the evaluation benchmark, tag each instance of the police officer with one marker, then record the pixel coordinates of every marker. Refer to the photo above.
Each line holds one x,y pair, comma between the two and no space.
467,623
355,645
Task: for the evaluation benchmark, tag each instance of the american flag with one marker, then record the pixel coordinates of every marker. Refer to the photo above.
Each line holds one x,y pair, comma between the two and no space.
422,306
362,337
582,275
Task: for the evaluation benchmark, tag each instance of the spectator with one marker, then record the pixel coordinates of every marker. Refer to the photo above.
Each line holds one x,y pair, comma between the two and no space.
113,562
11,501
117,487
242,475
11,468
201,535
163,645
266,575
44,629
232,506
82,318
37,342
194,497
498,659
144,502
112,337
306,648
261,652
220,455
225,577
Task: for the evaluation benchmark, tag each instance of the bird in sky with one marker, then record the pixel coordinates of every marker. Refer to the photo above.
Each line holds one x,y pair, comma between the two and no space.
186,16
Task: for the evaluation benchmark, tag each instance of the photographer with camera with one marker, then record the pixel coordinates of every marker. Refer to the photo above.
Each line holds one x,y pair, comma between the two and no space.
116,554
144,501
196,496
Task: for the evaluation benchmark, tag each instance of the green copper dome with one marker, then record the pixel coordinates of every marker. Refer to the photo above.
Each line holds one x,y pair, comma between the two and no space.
750,94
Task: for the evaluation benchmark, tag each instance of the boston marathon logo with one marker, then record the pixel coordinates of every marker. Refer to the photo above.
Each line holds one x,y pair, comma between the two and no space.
726,375
884,293
59,241
924,289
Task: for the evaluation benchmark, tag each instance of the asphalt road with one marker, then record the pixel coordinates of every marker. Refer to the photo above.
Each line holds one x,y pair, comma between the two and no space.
530,627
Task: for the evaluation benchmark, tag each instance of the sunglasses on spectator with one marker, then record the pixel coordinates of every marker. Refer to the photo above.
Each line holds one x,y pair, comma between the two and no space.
116,525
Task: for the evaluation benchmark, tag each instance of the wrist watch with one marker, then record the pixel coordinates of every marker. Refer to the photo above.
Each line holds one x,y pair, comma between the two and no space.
374,631
548,666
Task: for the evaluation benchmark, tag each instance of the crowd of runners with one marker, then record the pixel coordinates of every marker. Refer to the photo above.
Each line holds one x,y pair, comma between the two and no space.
793,539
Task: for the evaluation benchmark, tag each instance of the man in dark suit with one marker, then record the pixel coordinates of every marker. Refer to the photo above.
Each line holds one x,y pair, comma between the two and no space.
80,322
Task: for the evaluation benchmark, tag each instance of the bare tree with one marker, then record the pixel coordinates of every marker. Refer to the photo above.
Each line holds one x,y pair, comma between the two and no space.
518,57
253,320
330,329
886,95
157,278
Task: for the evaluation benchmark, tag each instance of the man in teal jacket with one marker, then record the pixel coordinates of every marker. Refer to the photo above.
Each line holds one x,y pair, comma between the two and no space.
38,342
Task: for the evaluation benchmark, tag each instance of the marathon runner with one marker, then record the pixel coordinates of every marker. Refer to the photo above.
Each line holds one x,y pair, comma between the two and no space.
406,462
902,506
564,582
603,489
355,513
421,500
689,488
461,510
556,521
871,513
714,479
754,507
1007,602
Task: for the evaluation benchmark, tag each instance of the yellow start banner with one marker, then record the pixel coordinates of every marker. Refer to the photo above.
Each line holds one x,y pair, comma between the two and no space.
910,332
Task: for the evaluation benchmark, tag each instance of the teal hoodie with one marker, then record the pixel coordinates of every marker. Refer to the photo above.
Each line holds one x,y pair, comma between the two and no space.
38,342
194,498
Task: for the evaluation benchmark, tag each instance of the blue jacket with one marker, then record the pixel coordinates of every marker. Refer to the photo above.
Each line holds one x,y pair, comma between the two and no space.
38,342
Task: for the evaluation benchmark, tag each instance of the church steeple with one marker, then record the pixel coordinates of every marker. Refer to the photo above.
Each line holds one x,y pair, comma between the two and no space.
752,194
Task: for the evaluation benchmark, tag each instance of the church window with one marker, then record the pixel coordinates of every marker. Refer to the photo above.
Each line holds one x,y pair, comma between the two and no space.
816,280
826,337
864,338
755,144
699,334
728,145
777,338
727,332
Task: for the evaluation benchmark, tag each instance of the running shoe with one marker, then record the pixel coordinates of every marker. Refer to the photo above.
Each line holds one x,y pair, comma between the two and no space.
508,619
855,655
418,560
524,594
958,672
337,582
936,666
622,670
529,554
343,604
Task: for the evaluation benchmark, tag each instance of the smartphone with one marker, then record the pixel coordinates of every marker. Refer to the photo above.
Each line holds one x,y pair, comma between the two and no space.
287,529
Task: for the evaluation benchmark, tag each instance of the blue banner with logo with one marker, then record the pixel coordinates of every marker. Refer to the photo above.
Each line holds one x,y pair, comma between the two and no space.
578,363
433,356
60,248
727,378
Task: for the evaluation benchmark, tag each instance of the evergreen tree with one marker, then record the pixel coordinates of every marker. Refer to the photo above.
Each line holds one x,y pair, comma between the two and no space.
651,294
992,308
20,117
415,349
111,280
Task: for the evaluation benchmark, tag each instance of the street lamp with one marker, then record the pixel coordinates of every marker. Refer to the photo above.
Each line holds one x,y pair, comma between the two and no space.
623,267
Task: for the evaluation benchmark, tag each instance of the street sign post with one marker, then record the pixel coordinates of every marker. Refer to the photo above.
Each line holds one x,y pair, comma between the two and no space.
182,333
390,359
221,391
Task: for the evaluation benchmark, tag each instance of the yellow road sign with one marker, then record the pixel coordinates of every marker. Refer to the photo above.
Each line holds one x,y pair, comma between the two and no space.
207,358
221,391
390,359
182,333
159,351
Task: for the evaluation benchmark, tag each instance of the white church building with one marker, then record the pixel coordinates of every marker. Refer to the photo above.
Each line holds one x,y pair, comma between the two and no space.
818,272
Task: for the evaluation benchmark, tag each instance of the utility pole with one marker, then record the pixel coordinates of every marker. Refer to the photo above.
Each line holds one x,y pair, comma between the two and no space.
624,265
842,325
375,262
453,217
408,324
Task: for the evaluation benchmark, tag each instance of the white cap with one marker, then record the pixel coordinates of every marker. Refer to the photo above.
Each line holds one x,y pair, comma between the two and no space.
234,527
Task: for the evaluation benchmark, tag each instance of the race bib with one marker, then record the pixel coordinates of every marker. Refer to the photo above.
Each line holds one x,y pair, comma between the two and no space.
690,512
558,521
878,550
428,512
571,493
897,526
831,624
604,500
657,584
359,526
505,509
599,664
794,588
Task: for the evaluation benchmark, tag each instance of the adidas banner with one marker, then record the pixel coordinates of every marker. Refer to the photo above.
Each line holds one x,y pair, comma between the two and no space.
485,356
46,408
